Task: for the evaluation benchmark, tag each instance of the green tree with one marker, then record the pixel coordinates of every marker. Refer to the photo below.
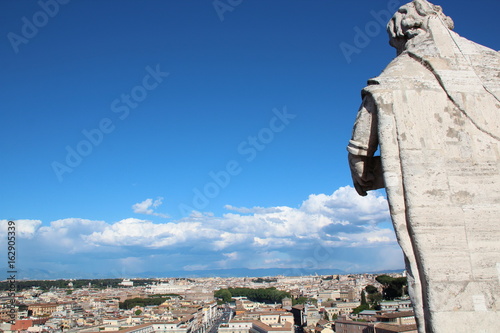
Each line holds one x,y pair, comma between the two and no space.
399,284
304,300
371,289
384,280
393,287
363,298
360,308
269,295
133,302
262,280
374,300
299,300
224,295
137,312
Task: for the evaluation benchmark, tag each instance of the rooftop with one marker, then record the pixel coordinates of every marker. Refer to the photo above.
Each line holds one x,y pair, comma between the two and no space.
392,315
396,328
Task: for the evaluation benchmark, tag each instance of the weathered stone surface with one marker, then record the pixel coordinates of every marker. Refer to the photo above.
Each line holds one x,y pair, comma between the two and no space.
434,113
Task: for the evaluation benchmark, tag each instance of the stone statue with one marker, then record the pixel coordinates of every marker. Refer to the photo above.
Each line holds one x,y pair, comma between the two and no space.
434,115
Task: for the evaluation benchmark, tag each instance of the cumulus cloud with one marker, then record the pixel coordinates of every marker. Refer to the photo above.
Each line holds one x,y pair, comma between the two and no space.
340,220
346,205
68,235
273,242
135,232
23,228
253,210
325,229
145,207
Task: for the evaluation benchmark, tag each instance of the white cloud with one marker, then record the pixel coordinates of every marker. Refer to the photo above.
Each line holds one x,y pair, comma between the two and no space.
272,242
346,204
272,261
227,239
336,225
231,255
253,210
144,207
135,232
68,235
378,239
157,203
23,228
340,220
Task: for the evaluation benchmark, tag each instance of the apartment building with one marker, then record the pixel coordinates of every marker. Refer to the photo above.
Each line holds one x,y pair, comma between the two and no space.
42,309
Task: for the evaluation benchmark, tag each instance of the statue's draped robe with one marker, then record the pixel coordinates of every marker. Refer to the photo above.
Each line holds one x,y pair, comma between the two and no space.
436,115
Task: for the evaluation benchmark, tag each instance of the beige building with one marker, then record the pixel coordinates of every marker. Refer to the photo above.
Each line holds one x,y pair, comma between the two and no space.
170,327
388,328
43,309
391,322
328,295
276,318
267,322
160,327
286,303
349,326
348,295
260,327
396,305
397,318
5,314
236,326
341,308
199,294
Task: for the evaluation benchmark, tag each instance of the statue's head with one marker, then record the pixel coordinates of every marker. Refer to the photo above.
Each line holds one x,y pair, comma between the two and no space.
412,20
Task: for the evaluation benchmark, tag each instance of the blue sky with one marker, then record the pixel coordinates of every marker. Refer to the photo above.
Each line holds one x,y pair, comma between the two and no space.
121,118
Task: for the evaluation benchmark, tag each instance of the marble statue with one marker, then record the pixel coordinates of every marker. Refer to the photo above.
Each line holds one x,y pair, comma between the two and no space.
434,116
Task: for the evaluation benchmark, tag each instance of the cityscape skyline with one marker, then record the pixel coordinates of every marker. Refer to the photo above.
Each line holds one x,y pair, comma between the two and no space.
40,275
206,305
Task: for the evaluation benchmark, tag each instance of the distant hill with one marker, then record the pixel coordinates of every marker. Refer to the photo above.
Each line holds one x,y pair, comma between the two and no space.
36,274
247,272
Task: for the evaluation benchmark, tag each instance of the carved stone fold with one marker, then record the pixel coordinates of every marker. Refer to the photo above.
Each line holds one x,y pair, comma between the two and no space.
434,114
